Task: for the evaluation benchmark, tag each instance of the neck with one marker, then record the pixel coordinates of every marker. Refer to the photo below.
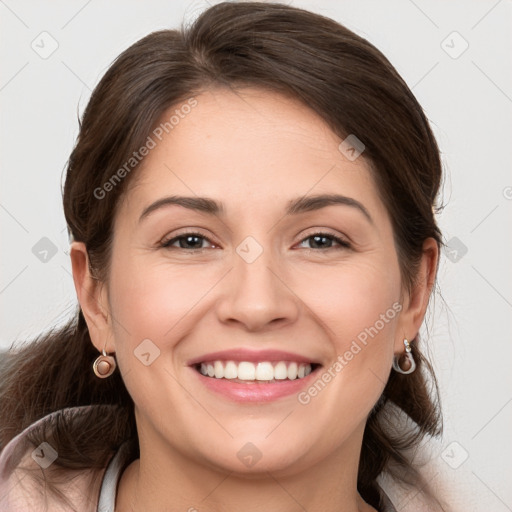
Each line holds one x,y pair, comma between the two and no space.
163,476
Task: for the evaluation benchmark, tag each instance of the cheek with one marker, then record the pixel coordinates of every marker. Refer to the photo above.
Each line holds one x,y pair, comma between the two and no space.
153,302
153,299
359,309
351,298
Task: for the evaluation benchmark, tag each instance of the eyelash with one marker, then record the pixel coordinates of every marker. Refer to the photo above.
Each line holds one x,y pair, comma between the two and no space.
166,244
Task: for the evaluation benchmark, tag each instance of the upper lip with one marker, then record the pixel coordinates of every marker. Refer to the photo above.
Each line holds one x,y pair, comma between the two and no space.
243,354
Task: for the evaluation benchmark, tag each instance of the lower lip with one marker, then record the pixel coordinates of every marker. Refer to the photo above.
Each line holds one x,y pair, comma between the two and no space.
255,391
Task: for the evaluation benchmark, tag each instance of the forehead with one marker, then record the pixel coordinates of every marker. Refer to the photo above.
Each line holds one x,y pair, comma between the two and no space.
247,148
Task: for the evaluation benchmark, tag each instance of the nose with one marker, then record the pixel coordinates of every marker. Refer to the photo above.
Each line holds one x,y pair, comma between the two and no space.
256,294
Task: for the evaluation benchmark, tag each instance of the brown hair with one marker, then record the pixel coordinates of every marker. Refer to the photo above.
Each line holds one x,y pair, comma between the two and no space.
314,59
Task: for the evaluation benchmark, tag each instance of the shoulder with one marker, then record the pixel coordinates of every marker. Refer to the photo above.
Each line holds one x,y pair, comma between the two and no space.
387,504
397,496
26,466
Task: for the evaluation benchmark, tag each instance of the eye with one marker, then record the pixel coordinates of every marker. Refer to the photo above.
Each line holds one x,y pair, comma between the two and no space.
325,240
192,241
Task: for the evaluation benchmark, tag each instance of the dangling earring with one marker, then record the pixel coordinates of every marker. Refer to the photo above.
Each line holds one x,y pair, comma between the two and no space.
104,365
407,357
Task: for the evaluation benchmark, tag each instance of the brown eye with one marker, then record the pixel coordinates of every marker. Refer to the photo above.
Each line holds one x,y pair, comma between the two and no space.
192,241
325,241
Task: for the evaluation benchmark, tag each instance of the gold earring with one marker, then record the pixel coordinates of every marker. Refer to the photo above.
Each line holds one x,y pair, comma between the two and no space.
104,365
407,358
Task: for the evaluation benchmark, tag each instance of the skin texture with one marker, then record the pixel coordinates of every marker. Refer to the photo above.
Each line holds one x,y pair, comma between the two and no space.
254,151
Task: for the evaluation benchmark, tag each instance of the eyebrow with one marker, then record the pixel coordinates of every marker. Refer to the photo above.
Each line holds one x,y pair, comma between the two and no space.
294,207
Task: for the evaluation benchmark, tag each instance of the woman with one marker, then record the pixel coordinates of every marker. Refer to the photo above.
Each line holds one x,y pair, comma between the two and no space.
250,201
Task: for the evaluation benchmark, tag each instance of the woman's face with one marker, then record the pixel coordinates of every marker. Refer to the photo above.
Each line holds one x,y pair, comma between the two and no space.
251,268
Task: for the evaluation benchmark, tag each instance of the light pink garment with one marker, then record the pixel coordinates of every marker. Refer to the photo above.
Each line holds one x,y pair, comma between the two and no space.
20,491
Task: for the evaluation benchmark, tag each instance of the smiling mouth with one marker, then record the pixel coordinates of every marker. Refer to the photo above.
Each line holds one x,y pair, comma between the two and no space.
247,372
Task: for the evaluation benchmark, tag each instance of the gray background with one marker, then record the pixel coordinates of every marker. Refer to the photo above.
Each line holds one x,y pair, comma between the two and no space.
467,95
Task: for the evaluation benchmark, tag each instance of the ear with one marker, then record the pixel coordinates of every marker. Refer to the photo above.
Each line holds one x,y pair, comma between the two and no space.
416,302
93,299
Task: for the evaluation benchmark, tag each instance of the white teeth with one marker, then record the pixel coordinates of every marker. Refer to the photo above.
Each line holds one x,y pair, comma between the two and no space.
280,371
246,371
262,371
230,370
292,371
219,370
